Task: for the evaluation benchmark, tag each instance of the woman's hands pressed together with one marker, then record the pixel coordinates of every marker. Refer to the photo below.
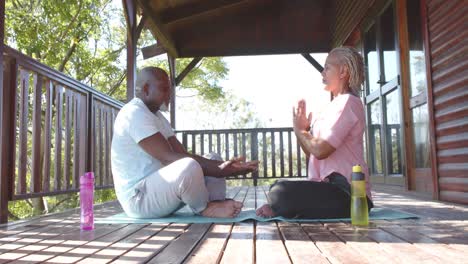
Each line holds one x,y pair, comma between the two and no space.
301,122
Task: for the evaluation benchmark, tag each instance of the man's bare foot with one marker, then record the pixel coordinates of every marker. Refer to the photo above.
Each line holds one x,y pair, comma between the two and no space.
265,211
224,209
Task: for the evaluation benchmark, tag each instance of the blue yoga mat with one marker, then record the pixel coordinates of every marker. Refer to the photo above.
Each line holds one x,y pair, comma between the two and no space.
184,216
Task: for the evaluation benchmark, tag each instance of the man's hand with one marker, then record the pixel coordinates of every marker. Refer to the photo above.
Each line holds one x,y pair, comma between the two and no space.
237,166
300,121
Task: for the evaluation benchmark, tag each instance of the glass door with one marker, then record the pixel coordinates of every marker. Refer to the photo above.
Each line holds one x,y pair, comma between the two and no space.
382,99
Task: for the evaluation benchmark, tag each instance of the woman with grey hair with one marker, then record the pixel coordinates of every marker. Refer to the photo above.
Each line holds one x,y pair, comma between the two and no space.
333,141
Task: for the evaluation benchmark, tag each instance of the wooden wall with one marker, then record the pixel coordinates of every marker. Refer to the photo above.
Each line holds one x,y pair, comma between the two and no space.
447,25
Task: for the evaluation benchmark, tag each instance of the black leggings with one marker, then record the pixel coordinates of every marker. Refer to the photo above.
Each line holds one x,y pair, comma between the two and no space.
307,199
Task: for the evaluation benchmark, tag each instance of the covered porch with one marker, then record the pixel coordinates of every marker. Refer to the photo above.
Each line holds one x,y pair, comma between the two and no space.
54,128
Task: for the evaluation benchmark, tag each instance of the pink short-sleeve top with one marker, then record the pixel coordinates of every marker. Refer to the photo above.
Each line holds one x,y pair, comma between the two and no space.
342,125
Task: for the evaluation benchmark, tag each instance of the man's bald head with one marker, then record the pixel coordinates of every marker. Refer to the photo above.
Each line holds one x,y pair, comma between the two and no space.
153,87
148,75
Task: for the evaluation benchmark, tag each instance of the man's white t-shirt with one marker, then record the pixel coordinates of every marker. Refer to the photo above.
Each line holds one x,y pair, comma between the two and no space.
130,163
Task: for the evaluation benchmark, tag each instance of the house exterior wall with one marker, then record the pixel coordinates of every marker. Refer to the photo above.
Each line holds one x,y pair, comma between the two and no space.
446,48
447,27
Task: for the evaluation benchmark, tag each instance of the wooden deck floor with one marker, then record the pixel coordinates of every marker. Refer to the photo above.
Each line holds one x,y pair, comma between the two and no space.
440,236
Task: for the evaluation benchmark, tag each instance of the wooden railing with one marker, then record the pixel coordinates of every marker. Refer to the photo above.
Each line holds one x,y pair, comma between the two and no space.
279,154
54,128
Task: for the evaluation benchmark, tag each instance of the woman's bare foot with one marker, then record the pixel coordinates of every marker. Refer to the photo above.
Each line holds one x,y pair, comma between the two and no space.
265,211
222,209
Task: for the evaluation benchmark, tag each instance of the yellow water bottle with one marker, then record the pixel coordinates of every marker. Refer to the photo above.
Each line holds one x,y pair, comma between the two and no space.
359,211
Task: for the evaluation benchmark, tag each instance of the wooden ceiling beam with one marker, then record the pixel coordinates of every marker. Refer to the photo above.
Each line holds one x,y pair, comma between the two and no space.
190,9
187,70
157,29
152,51
313,62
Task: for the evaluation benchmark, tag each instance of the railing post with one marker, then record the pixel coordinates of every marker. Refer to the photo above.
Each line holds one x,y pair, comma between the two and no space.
7,136
3,178
90,134
254,154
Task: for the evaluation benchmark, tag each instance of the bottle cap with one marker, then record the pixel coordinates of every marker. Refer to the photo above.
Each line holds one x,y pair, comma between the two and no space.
87,178
357,168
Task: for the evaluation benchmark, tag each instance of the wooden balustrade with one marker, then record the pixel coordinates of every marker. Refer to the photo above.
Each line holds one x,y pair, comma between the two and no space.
57,128
273,146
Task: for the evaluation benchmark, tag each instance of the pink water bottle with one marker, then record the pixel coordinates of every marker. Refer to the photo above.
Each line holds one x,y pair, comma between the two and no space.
86,201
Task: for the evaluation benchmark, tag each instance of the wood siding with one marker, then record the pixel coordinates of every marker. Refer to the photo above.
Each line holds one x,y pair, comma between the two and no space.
348,15
447,25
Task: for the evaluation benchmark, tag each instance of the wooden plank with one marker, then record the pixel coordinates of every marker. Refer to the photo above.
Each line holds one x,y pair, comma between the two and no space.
366,247
58,138
244,150
58,249
100,152
36,176
194,142
265,157
299,246
179,249
8,106
210,142
273,154
430,246
290,158
33,241
218,143
226,142
153,245
331,246
211,248
269,247
298,151
47,135
107,146
68,119
23,132
454,237
202,144
236,153
124,246
76,143
93,245
281,134
240,246
152,50
398,248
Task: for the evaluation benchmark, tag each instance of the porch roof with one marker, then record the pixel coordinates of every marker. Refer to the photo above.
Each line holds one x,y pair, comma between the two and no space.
203,28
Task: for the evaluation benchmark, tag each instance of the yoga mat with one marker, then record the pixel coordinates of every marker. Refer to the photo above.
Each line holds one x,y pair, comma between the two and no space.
184,216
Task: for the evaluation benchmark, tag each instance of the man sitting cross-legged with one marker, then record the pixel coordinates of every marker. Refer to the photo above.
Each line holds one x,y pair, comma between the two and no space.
153,173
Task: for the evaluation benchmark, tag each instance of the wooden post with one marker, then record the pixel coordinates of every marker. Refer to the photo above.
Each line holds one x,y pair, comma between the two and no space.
130,16
254,154
172,76
3,176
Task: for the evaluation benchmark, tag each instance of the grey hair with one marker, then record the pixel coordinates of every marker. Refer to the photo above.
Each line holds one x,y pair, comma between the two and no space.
351,59
145,75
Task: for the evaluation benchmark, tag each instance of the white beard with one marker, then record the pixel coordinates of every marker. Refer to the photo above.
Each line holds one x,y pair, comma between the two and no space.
163,107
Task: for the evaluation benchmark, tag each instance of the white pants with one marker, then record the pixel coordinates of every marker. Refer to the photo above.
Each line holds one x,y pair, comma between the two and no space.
173,186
